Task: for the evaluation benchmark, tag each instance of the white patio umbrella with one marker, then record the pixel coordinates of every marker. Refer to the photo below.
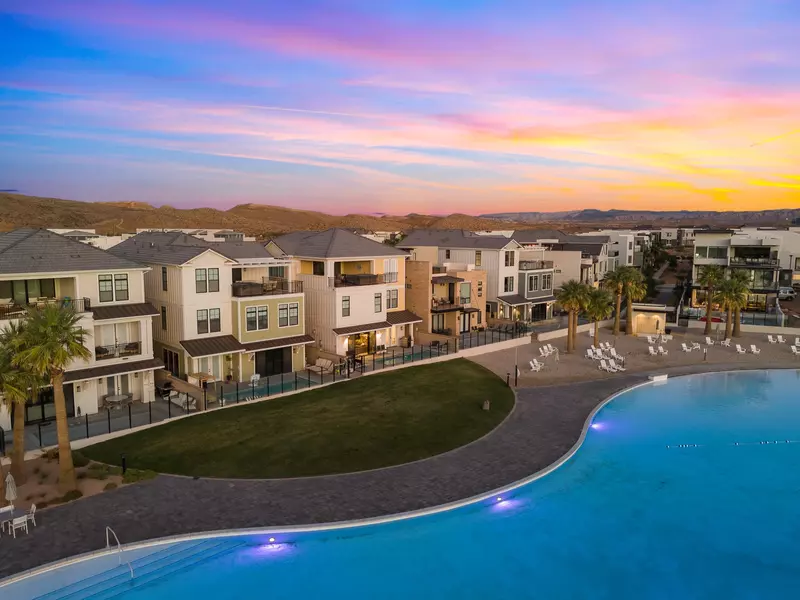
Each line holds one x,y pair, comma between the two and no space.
11,488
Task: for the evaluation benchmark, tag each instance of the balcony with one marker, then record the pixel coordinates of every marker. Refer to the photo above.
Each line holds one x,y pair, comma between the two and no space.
17,311
267,287
117,350
362,279
447,305
535,265
747,261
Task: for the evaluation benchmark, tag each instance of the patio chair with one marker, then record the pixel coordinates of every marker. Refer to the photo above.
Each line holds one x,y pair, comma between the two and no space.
652,351
535,366
696,346
795,351
740,350
709,341
771,340
754,350
662,351
651,340
726,342
797,341
32,514
551,348
685,348
19,523
615,366
604,367
590,354
781,340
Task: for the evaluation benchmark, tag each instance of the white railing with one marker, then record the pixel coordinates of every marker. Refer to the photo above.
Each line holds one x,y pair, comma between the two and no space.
119,548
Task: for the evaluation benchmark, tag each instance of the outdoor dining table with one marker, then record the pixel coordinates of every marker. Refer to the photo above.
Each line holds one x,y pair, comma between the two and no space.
6,516
116,400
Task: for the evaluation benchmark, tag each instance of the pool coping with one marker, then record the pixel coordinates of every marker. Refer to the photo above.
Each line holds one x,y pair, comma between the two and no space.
381,519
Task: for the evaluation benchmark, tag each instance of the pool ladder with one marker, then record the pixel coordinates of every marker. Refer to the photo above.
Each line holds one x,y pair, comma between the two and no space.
109,533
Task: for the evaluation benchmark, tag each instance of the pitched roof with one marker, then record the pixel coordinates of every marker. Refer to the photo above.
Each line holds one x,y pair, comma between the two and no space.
453,238
176,248
30,250
219,344
333,243
118,369
278,343
530,236
402,317
514,299
362,328
122,311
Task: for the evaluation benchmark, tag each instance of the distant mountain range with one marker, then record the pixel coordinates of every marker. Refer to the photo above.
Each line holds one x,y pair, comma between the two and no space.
642,217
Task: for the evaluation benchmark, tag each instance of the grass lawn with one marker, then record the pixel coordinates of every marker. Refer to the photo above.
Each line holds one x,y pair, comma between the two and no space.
370,422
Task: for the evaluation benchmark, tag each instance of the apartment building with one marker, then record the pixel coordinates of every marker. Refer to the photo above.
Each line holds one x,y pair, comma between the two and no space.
508,292
354,289
449,301
594,253
39,267
767,256
227,310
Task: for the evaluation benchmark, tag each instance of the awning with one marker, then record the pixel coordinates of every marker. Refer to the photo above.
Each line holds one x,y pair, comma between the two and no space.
220,344
446,279
294,340
513,300
542,300
471,310
118,369
124,311
362,328
402,317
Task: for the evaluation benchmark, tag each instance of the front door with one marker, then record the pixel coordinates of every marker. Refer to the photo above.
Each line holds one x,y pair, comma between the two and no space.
274,362
463,322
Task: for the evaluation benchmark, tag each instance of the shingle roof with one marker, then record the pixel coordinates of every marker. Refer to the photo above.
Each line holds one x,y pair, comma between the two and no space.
118,369
40,251
402,317
530,236
122,311
514,299
176,248
220,344
453,238
333,243
278,343
362,328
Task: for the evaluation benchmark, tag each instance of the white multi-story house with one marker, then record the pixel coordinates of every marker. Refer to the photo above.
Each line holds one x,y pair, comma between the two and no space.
227,310
621,246
517,287
354,288
39,267
594,252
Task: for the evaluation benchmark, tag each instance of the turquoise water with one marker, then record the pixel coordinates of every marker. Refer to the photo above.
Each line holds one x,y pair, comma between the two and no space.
672,495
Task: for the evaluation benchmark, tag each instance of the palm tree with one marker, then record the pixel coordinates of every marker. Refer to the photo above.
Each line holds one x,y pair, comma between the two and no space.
727,296
710,277
53,339
635,289
597,308
741,280
614,282
571,297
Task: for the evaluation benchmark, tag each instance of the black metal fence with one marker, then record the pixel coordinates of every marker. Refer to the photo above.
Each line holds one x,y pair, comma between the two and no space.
494,334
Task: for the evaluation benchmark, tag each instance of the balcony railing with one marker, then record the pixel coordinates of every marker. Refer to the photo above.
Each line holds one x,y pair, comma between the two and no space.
439,270
17,311
117,350
533,265
362,279
746,261
267,287
449,304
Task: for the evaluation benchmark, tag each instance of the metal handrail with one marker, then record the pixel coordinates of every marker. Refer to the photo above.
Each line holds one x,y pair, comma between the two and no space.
119,548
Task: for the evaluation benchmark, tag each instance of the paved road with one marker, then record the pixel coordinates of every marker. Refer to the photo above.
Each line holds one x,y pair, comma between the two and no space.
545,423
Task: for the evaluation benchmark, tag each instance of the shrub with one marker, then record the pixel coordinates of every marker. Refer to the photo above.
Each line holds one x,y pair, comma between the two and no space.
71,495
134,475
79,460
51,454
110,486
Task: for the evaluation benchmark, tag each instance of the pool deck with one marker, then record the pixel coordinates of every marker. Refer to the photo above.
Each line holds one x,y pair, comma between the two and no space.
546,422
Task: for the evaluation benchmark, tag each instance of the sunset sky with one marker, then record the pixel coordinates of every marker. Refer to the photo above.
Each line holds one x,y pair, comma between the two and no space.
401,106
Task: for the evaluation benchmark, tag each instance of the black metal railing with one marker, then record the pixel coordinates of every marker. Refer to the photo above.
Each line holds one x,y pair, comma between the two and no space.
445,305
362,279
533,265
747,261
267,287
117,350
17,311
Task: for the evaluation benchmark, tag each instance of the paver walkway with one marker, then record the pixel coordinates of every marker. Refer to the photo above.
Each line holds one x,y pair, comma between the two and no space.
544,425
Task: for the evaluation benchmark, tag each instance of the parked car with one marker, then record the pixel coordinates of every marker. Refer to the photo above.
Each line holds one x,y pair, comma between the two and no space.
786,293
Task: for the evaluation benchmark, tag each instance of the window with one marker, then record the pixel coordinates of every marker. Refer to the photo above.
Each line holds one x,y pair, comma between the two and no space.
465,292
717,252
508,284
437,322
378,302
391,299
533,283
213,280
214,320
479,317
277,272
288,314
294,313
509,258
164,278
106,283
200,283
630,245
480,289
318,267
701,252
164,318
447,254
797,264
257,318
113,287
345,306
547,281
202,321
477,258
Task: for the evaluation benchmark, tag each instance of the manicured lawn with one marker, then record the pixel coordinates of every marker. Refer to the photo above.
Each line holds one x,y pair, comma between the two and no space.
371,422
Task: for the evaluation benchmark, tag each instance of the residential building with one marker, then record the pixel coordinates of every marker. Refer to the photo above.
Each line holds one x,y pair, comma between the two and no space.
208,235
39,267
621,246
91,237
768,256
227,310
354,289
449,301
507,295
594,251
382,237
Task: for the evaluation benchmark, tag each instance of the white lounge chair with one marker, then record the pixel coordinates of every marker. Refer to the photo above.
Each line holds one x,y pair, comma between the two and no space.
795,351
613,353
542,352
662,351
19,523
667,338
535,366
709,341
589,354
604,367
771,340
551,348
781,340
685,348
696,346
614,365
740,350
755,350
797,341
651,340
726,342
652,351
